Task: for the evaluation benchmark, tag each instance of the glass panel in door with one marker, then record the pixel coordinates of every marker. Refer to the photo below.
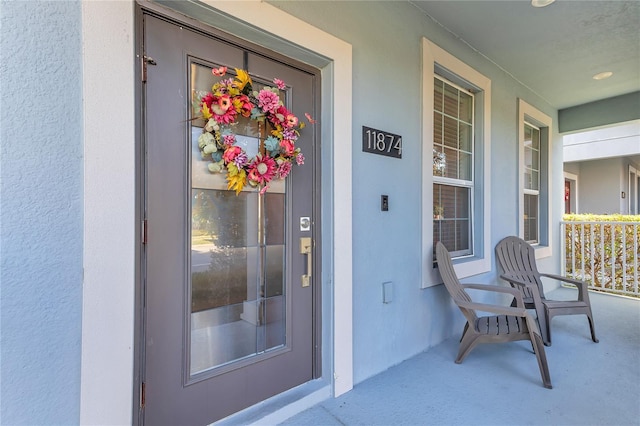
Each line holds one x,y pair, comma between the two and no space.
237,309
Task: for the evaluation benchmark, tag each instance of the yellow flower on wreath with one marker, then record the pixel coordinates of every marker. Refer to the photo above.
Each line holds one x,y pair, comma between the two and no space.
242,79
236,178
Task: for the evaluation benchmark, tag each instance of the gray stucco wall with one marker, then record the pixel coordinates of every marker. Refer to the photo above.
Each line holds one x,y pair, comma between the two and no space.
42,193
387,64
572,168
600,185
41,212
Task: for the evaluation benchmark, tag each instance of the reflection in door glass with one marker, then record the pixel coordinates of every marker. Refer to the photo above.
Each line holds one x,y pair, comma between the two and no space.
238,292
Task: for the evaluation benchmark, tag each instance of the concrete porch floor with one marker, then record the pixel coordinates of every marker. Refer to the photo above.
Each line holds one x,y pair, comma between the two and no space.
500,384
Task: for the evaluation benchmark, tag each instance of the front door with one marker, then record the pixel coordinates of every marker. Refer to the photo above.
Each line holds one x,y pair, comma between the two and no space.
228,304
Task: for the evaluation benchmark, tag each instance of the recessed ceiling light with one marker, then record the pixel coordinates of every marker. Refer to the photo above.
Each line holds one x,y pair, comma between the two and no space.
541,3
602,75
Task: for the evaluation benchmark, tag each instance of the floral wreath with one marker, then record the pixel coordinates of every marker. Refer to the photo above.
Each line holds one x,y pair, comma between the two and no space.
230,98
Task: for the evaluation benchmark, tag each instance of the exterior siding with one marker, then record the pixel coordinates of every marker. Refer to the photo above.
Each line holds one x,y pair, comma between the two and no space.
41,231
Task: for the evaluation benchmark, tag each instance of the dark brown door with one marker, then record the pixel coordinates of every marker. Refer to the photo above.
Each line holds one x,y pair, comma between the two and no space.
228,322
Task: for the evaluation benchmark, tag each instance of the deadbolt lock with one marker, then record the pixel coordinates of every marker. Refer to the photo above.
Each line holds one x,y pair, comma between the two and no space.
305,223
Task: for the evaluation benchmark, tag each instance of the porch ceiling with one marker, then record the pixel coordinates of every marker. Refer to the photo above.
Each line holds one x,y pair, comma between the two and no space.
554,50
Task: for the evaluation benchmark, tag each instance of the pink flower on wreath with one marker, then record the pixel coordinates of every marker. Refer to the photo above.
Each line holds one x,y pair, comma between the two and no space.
291,121
231,153
300,159
289,134
224,84
208,100
262,169
224,117
222,105
268,101
229,139
311,120
287,146
219,71
279,115
284,169
241,159
243,105
279,84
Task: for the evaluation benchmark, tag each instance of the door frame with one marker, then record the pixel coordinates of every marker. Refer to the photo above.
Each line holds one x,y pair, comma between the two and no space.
180,43
110,356
632,191
573,181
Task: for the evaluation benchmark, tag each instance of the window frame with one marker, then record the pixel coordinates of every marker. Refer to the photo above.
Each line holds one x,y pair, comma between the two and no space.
530,191
436,60
528,114
459,182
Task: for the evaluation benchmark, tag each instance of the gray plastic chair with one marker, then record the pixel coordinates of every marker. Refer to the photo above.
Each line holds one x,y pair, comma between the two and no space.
509,324
517,259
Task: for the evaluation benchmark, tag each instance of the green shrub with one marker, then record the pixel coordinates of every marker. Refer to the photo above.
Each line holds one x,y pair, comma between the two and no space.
588,217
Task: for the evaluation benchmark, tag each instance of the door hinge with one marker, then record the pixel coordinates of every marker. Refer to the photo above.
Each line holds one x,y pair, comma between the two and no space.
142,390
144,231
146,60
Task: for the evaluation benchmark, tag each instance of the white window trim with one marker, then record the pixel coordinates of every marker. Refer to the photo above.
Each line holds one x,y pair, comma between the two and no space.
432,56
528,113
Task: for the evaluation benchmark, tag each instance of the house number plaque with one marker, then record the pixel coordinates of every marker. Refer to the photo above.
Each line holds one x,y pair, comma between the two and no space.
380,142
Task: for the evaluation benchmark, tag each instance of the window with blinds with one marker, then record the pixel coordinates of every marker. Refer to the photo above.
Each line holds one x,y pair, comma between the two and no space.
453,167
531,183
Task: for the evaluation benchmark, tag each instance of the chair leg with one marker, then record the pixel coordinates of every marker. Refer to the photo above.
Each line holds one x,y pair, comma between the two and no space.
464,332
592,327
468,342
545,327
541,356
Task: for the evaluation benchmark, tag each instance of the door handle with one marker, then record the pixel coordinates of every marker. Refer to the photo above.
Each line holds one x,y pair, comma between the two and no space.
305,248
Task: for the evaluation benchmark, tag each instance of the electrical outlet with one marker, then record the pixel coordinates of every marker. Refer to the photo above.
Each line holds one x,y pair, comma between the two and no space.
387,292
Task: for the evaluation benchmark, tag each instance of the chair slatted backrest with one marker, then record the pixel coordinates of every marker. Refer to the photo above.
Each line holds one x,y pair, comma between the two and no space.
518,258
451,281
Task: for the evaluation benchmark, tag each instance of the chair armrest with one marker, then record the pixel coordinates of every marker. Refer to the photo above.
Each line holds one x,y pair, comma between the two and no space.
498,289
513,279
495,309
533,289
581,285
566,279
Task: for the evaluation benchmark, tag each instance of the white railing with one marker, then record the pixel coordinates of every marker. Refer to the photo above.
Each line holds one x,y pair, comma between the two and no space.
604,254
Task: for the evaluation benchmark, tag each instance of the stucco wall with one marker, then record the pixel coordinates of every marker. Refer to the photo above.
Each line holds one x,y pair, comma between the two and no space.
600,185
41,216
41,313
572,168
386,95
